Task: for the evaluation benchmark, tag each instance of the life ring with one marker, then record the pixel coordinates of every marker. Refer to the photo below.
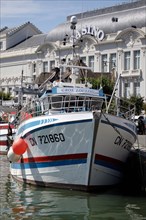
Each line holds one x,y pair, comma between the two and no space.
5,116
25,116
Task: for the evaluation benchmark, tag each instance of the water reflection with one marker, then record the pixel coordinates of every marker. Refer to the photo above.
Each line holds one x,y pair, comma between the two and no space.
19,201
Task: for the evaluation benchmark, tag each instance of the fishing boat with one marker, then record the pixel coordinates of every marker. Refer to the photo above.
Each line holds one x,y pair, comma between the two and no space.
7,132
72,136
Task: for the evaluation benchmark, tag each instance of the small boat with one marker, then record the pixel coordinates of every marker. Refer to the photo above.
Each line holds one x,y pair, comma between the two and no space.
73,136
7,132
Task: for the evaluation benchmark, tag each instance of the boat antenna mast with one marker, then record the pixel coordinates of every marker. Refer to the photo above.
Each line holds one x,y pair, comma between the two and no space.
73,22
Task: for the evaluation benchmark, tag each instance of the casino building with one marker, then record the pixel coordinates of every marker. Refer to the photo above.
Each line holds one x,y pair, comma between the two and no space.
109,40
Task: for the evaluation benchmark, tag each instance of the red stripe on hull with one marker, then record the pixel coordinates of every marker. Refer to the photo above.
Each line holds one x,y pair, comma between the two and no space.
54,158
3,152
6,126
108,159
3,143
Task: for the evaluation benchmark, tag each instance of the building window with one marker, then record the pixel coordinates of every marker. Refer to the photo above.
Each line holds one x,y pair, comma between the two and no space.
1,45
112,63
127,60
10,90
34,77
104,63
52,65
127,90
16,93
83,59
91,62
137,59
45,67
136,88
34,67
15,100
3,89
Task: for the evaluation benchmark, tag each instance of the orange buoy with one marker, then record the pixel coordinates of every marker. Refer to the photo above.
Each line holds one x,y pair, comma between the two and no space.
19,146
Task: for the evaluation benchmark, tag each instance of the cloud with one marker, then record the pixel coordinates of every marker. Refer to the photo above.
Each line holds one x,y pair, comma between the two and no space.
39,9
15,8
11,8
45,14
41,12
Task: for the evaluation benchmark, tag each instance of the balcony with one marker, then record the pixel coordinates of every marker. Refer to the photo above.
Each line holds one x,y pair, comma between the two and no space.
132,73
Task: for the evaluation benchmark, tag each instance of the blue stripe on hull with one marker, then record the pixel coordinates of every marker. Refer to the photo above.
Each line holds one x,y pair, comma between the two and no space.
43,126
47,164
108,165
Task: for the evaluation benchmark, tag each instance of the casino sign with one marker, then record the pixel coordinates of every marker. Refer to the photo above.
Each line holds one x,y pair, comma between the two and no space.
90,30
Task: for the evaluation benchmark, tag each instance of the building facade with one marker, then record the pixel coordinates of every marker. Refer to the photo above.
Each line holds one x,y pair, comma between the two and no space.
112,39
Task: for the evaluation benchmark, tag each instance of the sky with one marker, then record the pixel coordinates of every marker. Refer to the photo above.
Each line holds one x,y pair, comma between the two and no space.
47,14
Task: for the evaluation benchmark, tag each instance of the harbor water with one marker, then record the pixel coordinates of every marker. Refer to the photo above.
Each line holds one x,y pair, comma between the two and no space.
20,201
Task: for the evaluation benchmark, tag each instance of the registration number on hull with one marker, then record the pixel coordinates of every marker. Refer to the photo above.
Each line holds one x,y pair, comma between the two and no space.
46,139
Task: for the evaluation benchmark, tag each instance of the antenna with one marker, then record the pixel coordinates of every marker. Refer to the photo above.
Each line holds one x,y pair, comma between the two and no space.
73,22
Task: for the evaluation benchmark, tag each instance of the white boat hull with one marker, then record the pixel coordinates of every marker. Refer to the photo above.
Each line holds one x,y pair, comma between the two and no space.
77,150
4,138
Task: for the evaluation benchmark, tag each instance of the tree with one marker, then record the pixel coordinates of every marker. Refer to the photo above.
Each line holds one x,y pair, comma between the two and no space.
108,86
105,82
138,102
5,96
144,107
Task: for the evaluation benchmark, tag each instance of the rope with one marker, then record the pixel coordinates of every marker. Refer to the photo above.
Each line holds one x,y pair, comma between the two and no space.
113,126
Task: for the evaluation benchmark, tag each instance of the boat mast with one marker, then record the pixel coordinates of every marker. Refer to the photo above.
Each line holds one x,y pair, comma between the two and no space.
114,90
20,94
73,22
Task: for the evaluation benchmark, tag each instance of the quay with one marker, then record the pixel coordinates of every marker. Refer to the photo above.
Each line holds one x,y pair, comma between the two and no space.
134,180
141,141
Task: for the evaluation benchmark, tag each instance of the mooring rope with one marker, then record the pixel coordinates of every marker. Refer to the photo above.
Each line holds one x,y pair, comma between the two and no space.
113,126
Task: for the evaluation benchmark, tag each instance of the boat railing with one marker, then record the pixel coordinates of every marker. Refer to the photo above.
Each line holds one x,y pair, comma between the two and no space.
60,104
122,108
65,104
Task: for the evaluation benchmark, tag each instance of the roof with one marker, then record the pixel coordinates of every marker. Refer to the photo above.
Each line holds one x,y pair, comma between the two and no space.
55,74
3,29
33,41
118,7
11,31
25,35
127,15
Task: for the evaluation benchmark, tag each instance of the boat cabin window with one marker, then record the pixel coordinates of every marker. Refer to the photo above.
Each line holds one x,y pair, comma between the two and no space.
80,101
96,104
70,103
56,102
